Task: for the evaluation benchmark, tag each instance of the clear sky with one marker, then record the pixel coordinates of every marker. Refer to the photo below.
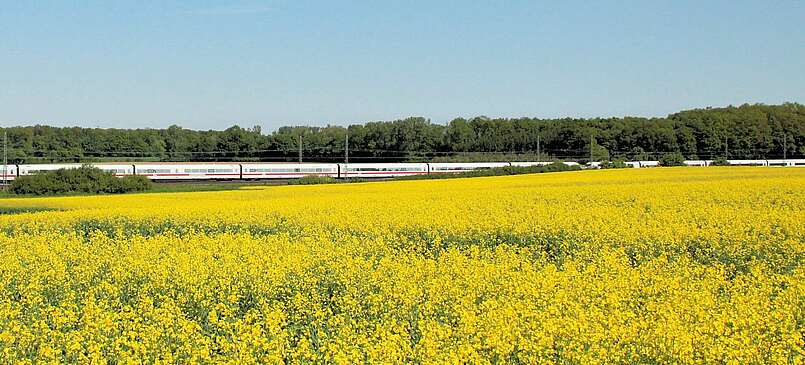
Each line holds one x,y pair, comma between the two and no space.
211,64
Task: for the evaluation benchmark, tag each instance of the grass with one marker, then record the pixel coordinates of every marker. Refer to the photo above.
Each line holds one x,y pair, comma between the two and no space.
178,187
19,210
189,187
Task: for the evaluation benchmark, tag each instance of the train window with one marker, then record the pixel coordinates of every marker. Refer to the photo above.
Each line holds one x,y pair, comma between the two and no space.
385,169
287,170
207,171
280,170
155,171
451,168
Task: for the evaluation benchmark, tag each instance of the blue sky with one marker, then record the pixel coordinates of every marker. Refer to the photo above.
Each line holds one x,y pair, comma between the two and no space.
211,64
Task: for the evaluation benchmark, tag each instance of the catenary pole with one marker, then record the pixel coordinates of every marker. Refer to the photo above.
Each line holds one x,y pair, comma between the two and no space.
785,146
300,148
346,153
538,156
5,158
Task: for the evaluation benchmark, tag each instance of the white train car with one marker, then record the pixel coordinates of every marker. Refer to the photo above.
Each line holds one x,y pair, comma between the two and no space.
37,168
529,164
649,163
786,163
748,162
381,169
188,171
454,167
633,164
797,163
117,169
699,163
10,172
287,170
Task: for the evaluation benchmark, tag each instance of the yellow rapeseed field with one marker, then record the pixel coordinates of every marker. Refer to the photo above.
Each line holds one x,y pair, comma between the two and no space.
668,265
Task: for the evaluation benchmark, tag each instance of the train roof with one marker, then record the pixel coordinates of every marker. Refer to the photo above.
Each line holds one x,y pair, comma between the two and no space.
287,163
184,163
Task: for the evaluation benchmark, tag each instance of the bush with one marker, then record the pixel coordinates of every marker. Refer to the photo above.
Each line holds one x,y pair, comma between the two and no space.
672,159
617,164
134,183
720,161
85,179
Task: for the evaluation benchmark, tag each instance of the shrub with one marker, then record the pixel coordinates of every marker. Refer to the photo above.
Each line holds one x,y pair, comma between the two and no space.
672,159
134,183
85,179
617,164
720,161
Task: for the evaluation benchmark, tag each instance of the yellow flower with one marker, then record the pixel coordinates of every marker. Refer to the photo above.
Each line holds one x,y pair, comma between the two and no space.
682,265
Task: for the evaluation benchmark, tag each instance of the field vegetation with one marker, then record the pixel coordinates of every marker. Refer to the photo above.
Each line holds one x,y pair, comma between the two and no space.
682,265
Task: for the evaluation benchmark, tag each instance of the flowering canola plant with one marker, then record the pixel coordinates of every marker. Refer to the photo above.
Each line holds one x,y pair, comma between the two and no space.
672,265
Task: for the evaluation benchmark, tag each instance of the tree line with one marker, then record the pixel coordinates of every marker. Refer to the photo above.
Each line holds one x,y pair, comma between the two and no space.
754,131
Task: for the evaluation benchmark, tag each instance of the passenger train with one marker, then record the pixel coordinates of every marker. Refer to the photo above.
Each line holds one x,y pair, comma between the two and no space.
165,171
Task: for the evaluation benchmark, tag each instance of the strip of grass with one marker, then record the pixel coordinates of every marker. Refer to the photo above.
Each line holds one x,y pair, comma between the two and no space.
315,180
163,187
20,210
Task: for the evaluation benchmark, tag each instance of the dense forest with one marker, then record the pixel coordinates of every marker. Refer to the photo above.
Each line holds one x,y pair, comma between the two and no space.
747,131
